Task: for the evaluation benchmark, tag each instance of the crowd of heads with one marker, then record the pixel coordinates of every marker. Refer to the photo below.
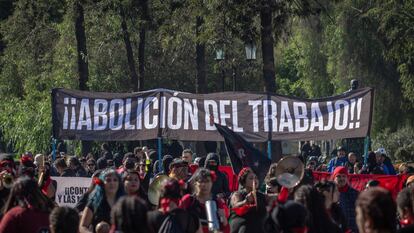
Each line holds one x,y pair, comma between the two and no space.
124,195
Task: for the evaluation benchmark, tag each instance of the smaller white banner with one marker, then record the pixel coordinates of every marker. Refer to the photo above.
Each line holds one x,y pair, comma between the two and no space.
70,189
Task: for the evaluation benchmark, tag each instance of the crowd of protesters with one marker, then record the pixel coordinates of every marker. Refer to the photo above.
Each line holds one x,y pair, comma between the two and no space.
195,195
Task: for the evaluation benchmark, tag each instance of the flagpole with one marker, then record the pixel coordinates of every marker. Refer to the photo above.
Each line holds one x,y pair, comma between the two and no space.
269,135
53,149
269,149
159,153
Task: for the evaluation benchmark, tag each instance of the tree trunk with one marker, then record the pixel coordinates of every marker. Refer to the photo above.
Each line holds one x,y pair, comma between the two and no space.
130,53
81,47
269,76
267,50
200,59
83,71
141,59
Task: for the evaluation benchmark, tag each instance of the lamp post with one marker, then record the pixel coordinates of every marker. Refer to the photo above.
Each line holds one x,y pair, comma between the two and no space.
220,59
250,51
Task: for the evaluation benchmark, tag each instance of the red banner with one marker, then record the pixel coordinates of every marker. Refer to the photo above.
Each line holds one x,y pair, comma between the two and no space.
358,181
392,183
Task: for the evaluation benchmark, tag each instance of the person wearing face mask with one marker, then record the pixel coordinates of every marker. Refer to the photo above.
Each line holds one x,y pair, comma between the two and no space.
347,196
221,185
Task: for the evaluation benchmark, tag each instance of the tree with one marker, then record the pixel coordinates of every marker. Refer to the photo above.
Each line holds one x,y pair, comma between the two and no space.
83,69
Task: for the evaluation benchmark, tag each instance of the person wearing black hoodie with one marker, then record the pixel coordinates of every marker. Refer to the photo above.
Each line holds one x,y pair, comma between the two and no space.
221,185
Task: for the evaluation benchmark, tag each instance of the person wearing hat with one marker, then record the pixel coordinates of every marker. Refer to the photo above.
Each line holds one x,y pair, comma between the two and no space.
347,195
384,162
339,160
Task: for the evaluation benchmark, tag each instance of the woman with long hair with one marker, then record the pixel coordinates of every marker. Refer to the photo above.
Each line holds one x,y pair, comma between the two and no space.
318,219
132,184
129,215
26,202
202,182
107,191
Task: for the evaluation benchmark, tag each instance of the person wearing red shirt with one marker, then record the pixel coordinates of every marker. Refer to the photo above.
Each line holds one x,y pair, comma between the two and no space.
27,209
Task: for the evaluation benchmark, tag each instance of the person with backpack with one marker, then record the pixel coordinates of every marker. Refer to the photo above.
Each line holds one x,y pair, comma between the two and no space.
168,218
197,203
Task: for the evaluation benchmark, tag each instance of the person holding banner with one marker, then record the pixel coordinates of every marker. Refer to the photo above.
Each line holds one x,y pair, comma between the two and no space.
107,191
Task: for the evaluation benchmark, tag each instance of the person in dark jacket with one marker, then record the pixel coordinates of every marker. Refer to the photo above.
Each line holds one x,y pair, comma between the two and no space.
77,167
63,169
221,185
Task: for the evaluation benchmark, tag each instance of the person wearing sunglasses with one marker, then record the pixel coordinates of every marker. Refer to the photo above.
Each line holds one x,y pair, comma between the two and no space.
90,167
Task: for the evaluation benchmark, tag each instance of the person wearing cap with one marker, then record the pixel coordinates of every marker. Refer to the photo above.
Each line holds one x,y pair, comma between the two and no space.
384,162
347,195
339,160
179,169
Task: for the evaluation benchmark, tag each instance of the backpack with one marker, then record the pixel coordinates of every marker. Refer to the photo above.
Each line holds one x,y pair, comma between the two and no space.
170,225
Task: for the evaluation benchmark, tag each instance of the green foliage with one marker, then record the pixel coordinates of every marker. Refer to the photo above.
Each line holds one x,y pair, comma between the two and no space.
399,144
394,21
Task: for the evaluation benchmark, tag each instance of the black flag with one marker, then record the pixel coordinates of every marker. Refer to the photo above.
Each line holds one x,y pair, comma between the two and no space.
243,154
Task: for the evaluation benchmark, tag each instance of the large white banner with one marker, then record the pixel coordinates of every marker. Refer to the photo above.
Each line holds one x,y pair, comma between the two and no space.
70,189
